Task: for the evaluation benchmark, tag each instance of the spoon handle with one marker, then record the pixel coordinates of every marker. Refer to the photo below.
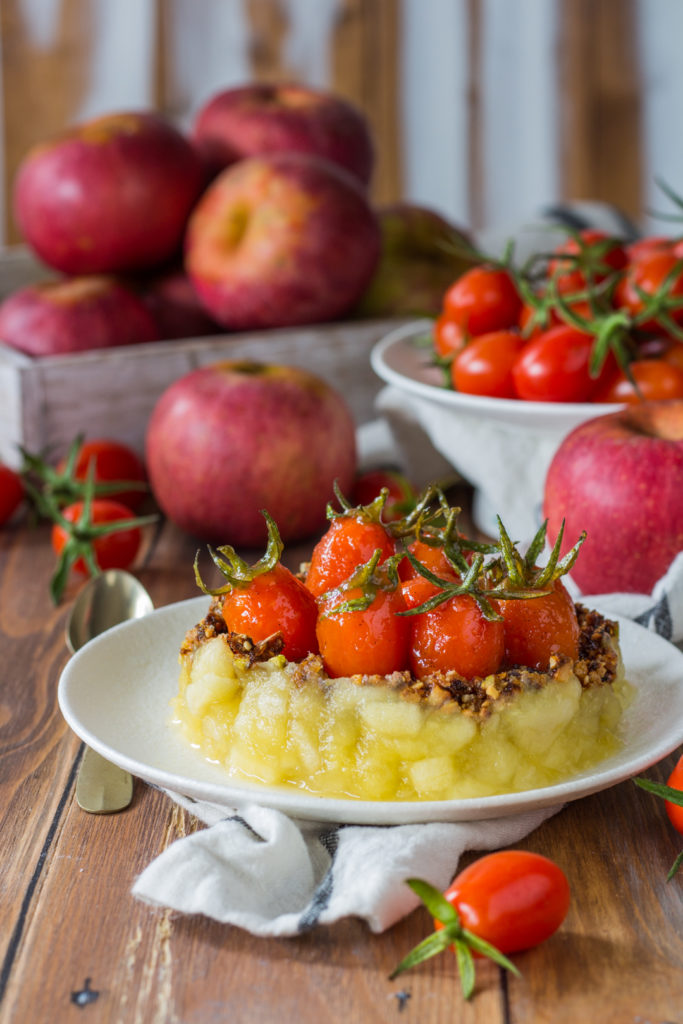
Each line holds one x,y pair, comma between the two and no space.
102,787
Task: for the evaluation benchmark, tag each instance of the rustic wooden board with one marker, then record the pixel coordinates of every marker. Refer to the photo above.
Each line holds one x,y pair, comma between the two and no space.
111,393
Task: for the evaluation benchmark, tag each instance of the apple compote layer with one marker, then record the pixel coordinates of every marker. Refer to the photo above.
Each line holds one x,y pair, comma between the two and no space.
394,737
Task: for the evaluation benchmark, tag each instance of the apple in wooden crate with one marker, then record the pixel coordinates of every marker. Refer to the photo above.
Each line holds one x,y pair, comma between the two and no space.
109,195
74,315
620,478
173,301
233,438
261,118
422,255
283,240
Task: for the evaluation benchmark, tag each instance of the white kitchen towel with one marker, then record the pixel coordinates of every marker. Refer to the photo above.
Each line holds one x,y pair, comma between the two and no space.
272,875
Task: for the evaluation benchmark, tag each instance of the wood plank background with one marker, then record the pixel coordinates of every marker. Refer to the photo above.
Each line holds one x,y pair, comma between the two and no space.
64,59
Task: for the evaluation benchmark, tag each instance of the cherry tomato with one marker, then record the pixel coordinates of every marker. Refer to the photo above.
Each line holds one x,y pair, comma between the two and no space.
648,275
349,541
594,257
673,354
657,380
554,367
484,367
364,642
513,899
400,500
112,461
455,636
449,337
115,550
275,601
646,246
539,627
482,300
11,493
675,811
431,556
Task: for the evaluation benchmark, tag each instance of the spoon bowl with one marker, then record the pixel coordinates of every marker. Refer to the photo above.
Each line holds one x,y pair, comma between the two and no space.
106,600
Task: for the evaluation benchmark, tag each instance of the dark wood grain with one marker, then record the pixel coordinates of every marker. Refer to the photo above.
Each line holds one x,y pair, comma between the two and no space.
76,946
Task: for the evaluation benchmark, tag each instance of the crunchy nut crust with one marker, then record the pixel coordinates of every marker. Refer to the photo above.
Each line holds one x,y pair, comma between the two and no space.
597,665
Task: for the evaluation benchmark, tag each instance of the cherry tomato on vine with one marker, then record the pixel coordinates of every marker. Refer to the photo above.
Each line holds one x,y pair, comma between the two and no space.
112,461
593,256
555,367
675,811
363,641
656,379
115,550
484,367
449,337
646,246
673,354
11,493
274,601
482,300
649,275
539,627
513,899
349,541
455,636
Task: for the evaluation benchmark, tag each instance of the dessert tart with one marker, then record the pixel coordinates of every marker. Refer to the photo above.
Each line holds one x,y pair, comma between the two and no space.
384,704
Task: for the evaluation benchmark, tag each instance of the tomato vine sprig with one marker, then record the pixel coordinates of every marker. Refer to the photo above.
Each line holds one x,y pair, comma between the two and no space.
452,933
523,571
235,569
370,578
49,487
673,796
82,535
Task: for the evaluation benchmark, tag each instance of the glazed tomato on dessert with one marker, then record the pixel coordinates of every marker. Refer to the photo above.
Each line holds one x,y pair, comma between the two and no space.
350,540
359,629
455,636
536,629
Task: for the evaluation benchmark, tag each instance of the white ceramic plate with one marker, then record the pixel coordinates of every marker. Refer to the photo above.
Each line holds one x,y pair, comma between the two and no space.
400,359
115,694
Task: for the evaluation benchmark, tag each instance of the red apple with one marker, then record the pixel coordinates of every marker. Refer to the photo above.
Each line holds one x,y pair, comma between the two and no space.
262,118
233,438
422,255
109,195
279,241
74,315
620,478
173,302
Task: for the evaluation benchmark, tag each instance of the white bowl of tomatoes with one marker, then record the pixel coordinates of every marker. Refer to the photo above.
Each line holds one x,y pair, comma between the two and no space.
521,356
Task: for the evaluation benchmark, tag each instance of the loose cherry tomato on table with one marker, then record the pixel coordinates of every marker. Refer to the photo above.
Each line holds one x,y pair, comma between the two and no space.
505,902
656,380
112,461
672,793
11,493
359,629
484,367
555,367
483,299
586,259
264,599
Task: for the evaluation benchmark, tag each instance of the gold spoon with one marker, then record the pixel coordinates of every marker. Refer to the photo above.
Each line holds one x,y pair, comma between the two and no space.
107,599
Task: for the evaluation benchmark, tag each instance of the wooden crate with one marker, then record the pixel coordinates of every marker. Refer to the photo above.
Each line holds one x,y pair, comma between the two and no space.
45,402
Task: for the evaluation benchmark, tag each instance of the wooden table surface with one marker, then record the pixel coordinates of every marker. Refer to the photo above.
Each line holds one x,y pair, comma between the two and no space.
77,947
